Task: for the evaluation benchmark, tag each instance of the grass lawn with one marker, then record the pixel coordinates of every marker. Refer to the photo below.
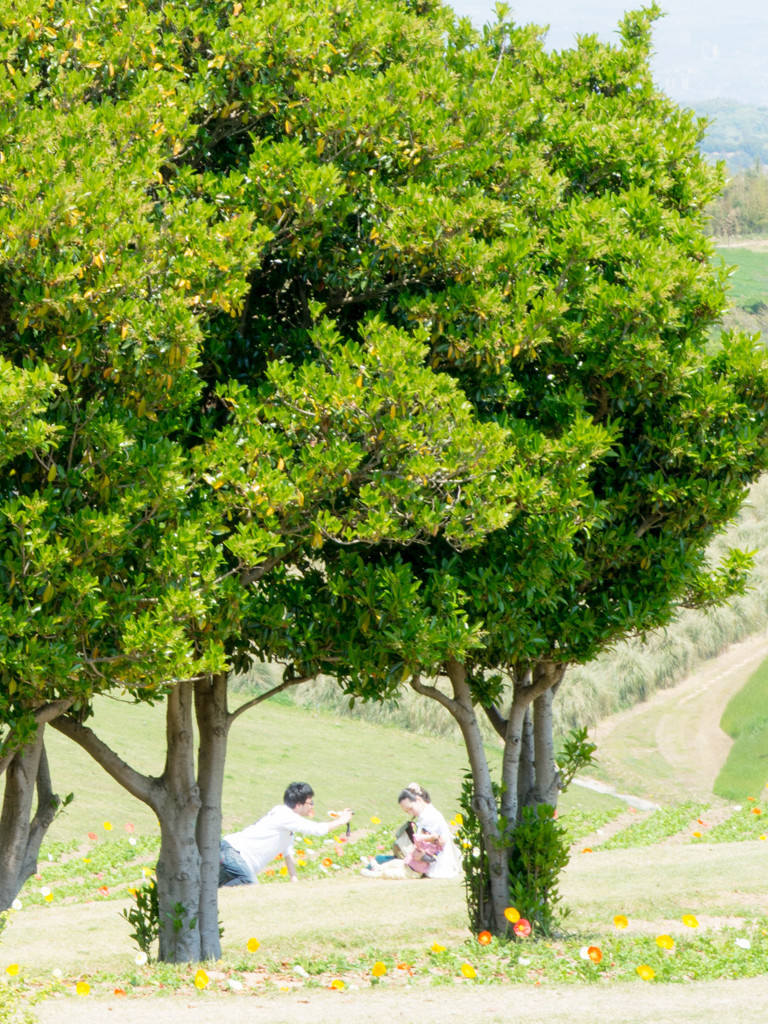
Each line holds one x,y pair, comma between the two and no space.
745,719
749,283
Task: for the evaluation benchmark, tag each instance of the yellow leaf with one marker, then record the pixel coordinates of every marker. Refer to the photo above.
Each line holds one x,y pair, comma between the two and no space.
515,350
142,409
124,331
48,592
288,127
359,381
327,69
52,473
280,464
33,241
320,147
300,499
374,233
236,9
111,69
317,539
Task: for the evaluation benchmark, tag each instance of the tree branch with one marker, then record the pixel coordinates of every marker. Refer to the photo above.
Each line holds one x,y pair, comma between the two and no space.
435,694
138,785
266,695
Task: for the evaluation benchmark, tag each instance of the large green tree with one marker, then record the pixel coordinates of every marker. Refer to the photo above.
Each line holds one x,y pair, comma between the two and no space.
193,424
582,326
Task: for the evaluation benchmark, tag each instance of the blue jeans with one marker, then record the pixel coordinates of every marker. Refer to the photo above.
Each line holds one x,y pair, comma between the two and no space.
232,868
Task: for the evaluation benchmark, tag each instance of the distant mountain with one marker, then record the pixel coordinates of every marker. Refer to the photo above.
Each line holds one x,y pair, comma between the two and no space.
738,134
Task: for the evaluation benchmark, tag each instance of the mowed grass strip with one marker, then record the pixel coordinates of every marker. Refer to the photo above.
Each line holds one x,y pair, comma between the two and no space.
749,282
745,719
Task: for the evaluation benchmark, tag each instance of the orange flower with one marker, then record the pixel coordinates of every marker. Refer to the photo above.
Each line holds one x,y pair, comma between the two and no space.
587,849
751,798
697,835
468,971
379,969
620,921
756,810
512,915
484,938
595,954
665,941
337,983
326,862
522,928
103,890
252,945
646,973
270,872
119,992
690,921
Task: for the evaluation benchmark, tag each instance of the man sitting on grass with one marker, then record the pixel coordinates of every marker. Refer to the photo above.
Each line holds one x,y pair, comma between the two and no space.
243,855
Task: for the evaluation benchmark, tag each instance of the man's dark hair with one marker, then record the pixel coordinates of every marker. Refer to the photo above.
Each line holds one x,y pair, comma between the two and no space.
297,793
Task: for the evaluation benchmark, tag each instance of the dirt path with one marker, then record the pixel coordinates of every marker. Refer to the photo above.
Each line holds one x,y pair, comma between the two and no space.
706,1002
672,746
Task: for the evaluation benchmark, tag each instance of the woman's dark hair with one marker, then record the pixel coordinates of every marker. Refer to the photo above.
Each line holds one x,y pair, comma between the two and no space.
413,791
297,793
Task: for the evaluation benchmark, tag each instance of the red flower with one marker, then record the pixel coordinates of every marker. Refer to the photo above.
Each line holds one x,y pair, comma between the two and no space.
92,835
522,928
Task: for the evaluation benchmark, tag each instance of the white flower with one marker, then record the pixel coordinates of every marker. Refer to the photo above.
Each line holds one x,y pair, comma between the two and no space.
16,905
56,972
298,969
524,960
132,841
141,958
45,891
236,986
743,943
584,953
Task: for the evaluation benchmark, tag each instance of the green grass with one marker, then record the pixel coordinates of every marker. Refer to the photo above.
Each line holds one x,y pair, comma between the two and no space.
659,825
749,283
745,719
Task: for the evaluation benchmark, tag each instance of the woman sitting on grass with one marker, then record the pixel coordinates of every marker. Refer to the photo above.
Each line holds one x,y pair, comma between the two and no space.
433,854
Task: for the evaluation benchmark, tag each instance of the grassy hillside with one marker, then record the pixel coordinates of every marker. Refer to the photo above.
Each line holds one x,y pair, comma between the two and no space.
349,763
746,720
749,282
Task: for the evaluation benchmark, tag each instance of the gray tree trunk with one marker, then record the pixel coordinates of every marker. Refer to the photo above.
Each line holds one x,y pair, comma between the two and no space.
178,866
547,782
213,726
526,773
20,834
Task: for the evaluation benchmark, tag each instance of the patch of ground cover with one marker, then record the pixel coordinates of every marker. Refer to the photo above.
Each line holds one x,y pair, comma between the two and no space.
749,822
745,719
656,826
749,281
580,823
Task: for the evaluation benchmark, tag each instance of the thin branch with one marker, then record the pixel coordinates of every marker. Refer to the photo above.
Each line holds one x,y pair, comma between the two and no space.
266,695
438,695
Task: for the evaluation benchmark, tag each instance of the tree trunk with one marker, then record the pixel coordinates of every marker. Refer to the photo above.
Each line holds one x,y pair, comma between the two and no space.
547,784
178,866
483,800
20,837
526,772
213,726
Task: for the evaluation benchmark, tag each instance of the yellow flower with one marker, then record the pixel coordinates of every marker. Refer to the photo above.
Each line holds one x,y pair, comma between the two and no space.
620,921
375,820
301,863
512,915
697,835
12,969
146,872
665,941
646,973
201,978
86,860
48,897
107,826
437,948
253,945
82,988
468,971
337,983
283,870
379,969
690,921
458,819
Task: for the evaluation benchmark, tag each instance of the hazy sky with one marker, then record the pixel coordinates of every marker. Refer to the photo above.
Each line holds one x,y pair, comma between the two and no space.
704,48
